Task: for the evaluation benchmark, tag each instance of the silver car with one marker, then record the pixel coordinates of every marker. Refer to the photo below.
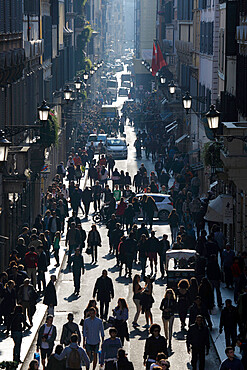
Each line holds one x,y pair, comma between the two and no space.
96,139
117,148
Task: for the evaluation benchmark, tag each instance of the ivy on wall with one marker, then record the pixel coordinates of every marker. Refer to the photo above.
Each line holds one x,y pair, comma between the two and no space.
211,154
49,132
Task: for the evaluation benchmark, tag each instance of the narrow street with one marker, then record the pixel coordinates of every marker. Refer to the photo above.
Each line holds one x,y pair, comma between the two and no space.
68,302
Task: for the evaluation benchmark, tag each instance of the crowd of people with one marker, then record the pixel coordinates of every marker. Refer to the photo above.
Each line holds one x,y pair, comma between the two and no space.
23,284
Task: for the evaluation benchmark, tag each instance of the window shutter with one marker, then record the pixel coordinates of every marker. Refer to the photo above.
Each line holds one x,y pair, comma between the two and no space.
1,17
7,16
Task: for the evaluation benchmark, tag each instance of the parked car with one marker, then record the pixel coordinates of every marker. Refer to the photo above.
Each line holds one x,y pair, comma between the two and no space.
96,139
117,148
126,84
163,202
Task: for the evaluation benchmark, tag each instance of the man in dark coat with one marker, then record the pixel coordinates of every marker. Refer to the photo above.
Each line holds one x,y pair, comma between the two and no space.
27,297
77,263
199,308
42,268
50,297
105,292
54,224
229,321
197,340
87,199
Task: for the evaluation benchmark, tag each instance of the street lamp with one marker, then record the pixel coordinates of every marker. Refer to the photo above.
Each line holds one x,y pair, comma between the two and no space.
4,147
172,87
213,118
85,77
91,72
150,69
95,68
187,101
162,80
67,93
143,62
43,111
78,84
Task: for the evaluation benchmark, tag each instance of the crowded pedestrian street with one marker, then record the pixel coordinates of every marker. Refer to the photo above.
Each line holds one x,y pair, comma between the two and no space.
123,198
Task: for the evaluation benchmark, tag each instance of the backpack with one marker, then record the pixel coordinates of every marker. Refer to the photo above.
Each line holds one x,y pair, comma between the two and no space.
74,359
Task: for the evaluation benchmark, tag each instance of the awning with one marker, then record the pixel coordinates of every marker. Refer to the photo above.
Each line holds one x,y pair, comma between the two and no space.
170,125
181,138
213,185
220,209
172,128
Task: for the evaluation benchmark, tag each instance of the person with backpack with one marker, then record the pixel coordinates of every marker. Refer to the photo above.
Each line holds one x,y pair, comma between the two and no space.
74,355
68,329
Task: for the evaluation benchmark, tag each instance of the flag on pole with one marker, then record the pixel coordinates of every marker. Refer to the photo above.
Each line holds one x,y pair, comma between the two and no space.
155,67
160,59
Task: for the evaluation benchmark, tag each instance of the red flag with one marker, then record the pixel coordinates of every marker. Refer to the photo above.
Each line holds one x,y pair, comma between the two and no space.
155,67
160,59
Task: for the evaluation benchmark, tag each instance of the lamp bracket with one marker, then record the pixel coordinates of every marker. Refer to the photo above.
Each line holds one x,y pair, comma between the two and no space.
15,130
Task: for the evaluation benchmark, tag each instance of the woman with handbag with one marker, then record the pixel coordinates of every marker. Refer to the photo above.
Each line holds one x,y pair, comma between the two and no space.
93,241
167,306
147,300
121,314
137,290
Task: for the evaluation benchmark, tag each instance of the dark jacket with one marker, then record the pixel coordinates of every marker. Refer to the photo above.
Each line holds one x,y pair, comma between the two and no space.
169,304
213,270
87,196
50,296
124,364
153,245
202,310
42,262
54,364
198,337
104,289
17,322
229,318
32,294
153,346
91,239
57,221
50,340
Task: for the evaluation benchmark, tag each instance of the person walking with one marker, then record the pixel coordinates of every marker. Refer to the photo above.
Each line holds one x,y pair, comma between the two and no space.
231,362
173,221
56,247
77,263
87,199
50,297
227,258
97,190
93,241
46,337
147,300
197,341
199,308
137,290
142,247
183,301
17,325
121,314
229,321
163,247
92,331
104,291
75,355
53,362
154,344
153,247
168,307
31,262
214,276
73,239
42,268
54,224
68,330
110,349
27,297
151,208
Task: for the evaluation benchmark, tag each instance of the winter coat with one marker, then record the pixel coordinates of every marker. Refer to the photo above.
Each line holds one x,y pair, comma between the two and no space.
103,289
198,337
153,346
50,297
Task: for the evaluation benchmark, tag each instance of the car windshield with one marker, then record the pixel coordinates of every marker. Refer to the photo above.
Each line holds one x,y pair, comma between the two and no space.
92,138
101,137
116,142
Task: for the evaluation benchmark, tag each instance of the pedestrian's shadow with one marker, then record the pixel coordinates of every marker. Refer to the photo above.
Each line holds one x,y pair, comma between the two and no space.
51,271
113,269
65,271
123,280
90,266
160,282
72,298
109,257
136,332
180,335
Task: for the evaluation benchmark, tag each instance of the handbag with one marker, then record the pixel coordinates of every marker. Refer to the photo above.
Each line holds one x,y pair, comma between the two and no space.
89,250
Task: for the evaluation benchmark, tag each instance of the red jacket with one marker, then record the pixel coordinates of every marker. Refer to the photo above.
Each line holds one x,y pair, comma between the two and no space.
31,259
120,209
